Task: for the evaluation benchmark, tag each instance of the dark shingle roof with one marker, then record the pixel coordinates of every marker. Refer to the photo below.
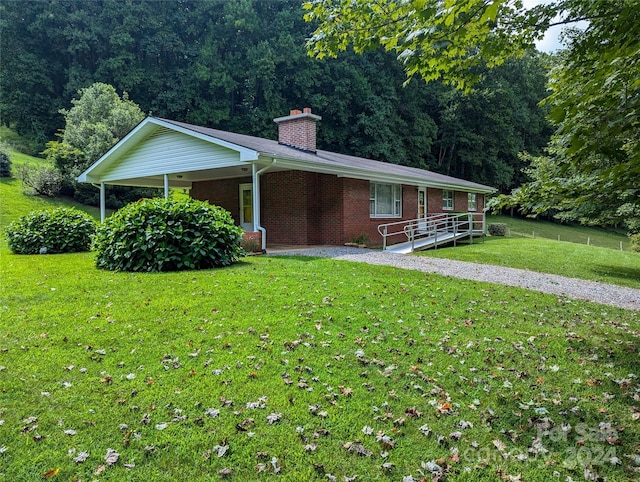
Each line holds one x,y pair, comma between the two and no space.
327,159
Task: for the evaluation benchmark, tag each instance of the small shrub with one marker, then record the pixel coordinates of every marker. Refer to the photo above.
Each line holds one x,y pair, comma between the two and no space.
635,242
43,180
168,235
5,162
363,239
497,229
251,245
62,230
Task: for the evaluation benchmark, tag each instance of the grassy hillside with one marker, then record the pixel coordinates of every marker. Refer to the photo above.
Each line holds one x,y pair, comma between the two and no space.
295,369
14,202
529,228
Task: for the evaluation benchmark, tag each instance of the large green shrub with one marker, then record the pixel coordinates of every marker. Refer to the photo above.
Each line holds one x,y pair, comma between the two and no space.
61,230
168,235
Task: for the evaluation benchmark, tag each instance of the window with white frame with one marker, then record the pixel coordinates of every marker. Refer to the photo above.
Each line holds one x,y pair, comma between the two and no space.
447,200
473,201
385,200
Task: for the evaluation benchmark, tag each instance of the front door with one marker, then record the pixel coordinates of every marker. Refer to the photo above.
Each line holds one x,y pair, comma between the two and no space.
246,206
422,207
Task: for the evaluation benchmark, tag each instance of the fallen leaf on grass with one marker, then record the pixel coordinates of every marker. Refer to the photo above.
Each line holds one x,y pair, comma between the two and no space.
50,473
510,478
111,457
273,418
499,444
358,449
220,450
81,457
346,390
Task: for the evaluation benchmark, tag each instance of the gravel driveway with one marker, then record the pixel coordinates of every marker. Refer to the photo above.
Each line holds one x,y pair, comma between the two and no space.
547,283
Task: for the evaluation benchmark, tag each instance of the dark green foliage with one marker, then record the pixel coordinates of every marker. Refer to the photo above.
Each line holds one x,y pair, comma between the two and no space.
168,235
497,229
237,65
62,230
116,196
5,162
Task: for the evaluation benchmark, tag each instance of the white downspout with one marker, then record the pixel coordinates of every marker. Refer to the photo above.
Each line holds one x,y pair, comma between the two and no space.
256,202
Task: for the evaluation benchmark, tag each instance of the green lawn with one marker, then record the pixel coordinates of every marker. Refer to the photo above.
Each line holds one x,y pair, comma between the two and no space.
547,256
529,228
307,367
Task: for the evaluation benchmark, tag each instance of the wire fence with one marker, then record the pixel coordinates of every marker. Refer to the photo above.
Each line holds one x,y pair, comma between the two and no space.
574,238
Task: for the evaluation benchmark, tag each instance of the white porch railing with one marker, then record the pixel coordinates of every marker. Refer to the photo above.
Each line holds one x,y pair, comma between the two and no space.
431,231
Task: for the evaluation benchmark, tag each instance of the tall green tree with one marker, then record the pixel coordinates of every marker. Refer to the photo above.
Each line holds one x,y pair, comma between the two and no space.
435,39
98,119
592,173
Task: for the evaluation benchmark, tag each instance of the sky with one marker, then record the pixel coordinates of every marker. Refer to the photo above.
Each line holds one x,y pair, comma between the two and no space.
551,41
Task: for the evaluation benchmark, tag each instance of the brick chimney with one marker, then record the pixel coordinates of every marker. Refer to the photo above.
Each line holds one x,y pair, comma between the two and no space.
298,129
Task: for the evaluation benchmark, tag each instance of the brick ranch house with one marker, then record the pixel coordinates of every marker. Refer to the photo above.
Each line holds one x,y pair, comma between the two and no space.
285,191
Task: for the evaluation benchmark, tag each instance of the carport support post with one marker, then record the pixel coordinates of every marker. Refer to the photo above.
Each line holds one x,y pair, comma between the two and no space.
102,202
166,186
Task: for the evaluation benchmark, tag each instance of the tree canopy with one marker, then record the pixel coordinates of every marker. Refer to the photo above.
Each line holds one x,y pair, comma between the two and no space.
593,165
592,172
436,39
238,65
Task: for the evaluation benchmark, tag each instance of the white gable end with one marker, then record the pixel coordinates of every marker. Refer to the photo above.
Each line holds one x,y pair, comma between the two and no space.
168,152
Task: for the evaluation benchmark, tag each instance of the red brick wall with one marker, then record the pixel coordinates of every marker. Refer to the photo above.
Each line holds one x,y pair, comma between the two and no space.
357,220
302,208
284,207
460,201
434,200
331,214
224,193
310,208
